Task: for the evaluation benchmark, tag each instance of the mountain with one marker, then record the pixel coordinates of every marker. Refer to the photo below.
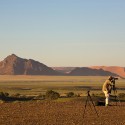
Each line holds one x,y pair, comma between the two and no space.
84,71
14,65
65,70
114,69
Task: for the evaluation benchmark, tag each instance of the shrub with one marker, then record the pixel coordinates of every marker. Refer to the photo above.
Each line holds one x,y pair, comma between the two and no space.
70,94
50,94
93,94
3,95
77,95
6,94
121,95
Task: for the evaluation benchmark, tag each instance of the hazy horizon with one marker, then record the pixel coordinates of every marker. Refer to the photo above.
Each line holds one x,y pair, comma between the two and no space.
66,33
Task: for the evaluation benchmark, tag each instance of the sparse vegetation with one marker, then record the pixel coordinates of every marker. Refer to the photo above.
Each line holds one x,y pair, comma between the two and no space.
34,85
40,97
3,95
50,94
70,94
121,95
16,95
60,110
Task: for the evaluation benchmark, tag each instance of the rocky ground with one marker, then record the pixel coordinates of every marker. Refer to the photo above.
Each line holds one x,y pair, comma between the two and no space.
59,113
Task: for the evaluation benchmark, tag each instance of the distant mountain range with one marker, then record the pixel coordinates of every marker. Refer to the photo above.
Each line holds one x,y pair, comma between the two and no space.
120,71
85,71
114,69
14,65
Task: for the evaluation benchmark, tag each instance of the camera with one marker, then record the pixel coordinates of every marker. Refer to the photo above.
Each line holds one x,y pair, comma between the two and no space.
114,78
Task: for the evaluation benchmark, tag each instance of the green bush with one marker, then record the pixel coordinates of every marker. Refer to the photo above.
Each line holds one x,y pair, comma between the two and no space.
3,95
70,94
50,94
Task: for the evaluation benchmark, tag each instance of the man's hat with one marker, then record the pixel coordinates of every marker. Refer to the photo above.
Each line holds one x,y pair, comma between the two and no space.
110,77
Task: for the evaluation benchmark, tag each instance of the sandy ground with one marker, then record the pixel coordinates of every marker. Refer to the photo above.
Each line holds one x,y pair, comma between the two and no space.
59,113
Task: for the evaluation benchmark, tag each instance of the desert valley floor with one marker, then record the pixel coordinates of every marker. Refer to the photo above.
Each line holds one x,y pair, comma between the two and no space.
59,113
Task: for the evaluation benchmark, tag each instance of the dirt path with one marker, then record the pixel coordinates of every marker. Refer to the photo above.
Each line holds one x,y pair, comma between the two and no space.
59,113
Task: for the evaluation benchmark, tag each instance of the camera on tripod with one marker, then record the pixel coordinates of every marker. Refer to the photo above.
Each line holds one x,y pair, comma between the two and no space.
115,90
113,82
114,78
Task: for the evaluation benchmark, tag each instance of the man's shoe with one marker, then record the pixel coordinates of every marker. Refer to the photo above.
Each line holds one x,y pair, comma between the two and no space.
106,105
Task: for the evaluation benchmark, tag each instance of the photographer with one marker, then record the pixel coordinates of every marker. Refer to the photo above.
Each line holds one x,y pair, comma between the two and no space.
107,86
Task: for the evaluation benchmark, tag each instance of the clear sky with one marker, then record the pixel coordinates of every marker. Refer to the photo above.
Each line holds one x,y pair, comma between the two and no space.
64,32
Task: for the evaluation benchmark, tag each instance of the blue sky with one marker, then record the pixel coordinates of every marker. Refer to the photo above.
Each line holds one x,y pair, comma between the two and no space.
64,32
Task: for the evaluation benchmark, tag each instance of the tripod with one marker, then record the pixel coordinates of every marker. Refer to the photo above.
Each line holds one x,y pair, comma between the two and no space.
89,98
116,97
115,92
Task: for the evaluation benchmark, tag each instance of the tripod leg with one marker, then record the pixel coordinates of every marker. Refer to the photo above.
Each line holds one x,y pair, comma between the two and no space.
118,100
85,107
89,105
93,105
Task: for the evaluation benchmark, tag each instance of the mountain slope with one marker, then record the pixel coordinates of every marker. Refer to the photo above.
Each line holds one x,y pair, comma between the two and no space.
64,70
14,65
114,69
84,71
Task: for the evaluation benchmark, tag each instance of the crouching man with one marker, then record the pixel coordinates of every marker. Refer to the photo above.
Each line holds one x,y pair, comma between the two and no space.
107,86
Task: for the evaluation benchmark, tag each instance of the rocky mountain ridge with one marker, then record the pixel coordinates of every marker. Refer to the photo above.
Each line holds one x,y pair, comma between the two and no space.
14,65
